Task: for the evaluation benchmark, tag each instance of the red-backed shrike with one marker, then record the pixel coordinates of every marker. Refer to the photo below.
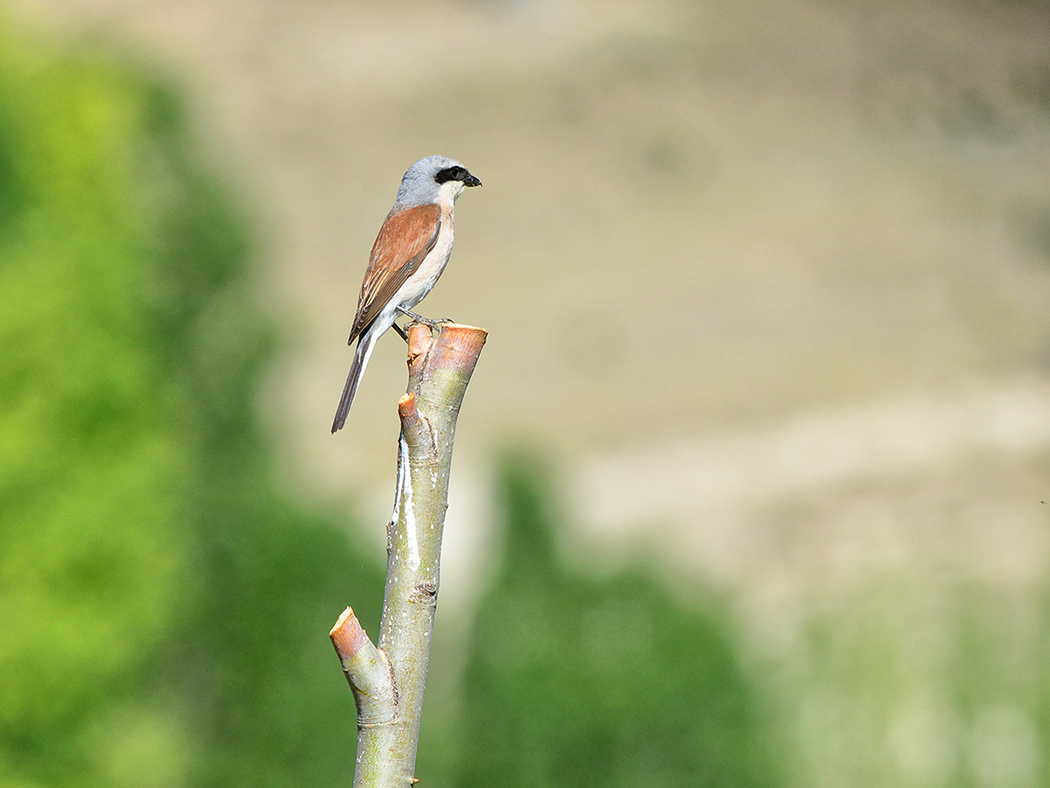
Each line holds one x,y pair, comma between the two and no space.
409,254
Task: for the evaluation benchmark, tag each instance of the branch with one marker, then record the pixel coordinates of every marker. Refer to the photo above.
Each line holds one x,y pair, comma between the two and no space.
388,681
367,670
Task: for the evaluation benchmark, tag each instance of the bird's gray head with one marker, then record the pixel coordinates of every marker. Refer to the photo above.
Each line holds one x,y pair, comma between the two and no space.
432,178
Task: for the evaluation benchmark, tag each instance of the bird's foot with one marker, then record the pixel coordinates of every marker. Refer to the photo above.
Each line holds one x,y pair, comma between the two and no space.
431,324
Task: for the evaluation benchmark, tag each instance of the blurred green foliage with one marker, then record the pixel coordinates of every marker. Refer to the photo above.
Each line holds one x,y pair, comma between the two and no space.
163,611
574,681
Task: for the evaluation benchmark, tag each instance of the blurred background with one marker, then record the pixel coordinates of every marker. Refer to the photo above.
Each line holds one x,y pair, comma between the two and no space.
752,478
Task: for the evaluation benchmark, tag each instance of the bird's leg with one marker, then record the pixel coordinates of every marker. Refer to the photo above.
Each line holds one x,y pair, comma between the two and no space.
432,324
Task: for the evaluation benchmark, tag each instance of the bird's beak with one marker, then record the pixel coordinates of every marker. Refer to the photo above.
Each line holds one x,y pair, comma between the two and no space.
470,180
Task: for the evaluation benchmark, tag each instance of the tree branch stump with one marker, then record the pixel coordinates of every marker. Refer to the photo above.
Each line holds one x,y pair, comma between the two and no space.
388,681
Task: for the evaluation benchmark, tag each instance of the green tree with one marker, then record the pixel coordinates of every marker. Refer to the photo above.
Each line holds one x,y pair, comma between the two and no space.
573,681
163,612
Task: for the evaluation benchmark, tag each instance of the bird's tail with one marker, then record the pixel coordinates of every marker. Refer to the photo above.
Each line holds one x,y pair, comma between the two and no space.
357,369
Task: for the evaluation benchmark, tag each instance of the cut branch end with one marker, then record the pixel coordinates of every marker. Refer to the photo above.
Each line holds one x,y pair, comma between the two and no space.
347,636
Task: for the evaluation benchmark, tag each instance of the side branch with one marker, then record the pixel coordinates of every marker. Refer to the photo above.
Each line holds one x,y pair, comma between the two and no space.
367,671
415,429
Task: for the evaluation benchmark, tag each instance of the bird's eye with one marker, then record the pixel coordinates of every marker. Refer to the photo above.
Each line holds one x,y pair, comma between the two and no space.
450,174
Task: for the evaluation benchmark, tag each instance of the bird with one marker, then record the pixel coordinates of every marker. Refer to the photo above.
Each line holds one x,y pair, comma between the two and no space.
409,254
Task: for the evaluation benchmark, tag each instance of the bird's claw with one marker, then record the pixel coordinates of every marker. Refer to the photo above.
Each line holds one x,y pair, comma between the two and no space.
431,324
